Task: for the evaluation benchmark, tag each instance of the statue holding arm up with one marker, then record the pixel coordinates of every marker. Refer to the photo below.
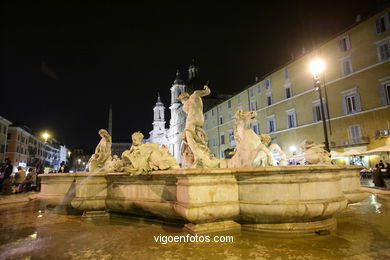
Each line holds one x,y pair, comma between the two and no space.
195,153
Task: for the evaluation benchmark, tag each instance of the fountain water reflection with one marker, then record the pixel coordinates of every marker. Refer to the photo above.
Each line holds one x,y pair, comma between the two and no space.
376,204
363,232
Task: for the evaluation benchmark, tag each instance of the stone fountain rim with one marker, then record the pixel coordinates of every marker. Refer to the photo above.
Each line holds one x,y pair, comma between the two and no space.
267,170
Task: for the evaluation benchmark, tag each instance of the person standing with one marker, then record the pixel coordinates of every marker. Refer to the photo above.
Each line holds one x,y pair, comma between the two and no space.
63,167
378,177
5,177
381,164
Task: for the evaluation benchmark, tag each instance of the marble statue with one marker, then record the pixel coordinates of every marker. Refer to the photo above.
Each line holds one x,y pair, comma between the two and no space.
266,140
146,157
101,159
249,148
315,153
194,152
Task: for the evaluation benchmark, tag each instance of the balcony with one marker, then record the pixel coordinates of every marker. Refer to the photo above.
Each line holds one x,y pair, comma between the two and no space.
362,140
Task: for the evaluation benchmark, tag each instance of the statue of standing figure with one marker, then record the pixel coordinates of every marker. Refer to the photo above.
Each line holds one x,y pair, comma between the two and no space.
102,156
194,152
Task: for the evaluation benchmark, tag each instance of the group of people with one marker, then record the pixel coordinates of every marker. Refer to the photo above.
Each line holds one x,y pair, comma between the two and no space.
20,182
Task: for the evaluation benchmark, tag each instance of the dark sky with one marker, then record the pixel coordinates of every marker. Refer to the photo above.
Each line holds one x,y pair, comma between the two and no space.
97,53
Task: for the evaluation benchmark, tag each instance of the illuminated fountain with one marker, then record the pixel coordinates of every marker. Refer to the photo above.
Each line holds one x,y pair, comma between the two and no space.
245,192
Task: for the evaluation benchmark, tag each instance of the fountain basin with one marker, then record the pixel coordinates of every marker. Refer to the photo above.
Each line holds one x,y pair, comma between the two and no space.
272,199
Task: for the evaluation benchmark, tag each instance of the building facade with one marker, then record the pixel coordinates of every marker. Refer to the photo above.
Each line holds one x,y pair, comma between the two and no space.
356,91
27,150
4,123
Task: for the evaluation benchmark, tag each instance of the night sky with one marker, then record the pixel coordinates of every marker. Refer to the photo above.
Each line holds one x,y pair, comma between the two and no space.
63,64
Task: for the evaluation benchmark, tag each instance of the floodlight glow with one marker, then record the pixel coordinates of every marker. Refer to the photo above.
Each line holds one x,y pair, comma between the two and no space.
316,67
45,136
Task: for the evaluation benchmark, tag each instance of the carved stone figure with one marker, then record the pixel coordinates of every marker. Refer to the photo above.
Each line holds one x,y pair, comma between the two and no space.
315,153
146,157
266,140
194,152
249,147
101,159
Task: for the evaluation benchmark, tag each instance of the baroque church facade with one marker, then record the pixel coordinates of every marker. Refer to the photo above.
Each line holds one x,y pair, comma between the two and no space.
171,137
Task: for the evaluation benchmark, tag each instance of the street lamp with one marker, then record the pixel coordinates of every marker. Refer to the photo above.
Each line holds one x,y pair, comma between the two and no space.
317,66
45,136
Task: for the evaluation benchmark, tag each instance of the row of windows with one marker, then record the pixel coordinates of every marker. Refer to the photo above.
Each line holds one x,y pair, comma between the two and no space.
350,102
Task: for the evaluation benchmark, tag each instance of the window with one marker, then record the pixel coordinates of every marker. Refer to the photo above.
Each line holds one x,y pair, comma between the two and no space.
9,136
239,99
269,99
253,105
258,88
229,104
271,125
383,51
354,134
351,104
255,127
288,90
231,135
220,108
351,101
222,154
222,138
2,150
268,84
384,92
346,66
291,121
382,23
206,126
251,92
344,43
212,112
317,116
221,120
214,141
205,116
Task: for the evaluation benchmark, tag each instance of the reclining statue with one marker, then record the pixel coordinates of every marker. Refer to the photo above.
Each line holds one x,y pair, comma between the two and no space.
249,148
194,152
101,159
143,158
315,153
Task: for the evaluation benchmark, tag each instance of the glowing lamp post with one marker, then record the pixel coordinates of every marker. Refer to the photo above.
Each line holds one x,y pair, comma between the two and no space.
317,66
45,136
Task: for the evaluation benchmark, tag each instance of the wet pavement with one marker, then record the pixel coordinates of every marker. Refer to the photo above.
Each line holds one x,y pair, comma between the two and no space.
28,232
